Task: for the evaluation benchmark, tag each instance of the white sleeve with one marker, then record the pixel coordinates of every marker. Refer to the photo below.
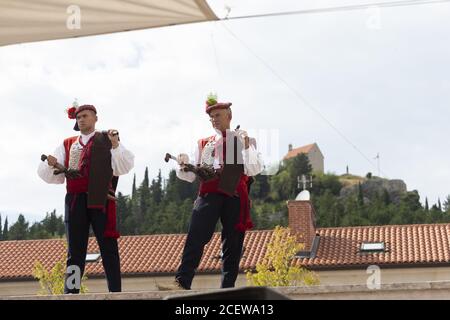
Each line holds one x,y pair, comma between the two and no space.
186,176
189,176
122,160
253,163
46,172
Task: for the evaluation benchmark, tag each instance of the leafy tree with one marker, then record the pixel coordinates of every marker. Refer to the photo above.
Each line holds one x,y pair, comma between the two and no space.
5,233
447,204
360,194
296,167
125,220
36,231
386,197
52,281
412,201
267,215
19,230
178,190
277,267
354,213
281,186
326,183
133,190
156,189
53,225
435,215
144,193
260,188
328,209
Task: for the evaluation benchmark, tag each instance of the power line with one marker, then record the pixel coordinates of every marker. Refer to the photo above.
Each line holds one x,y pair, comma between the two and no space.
300,97
341,8
216,57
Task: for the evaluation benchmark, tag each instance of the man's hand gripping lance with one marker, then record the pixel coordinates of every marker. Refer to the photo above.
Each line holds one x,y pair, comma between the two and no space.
59,168
205,173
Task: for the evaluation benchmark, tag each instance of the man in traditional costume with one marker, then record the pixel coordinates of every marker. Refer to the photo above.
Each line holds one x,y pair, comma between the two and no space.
90,164
225,164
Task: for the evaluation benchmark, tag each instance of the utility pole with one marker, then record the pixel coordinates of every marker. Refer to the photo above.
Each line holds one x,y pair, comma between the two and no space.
378,163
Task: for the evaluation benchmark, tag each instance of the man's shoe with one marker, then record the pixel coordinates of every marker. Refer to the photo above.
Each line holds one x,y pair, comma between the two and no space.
170,287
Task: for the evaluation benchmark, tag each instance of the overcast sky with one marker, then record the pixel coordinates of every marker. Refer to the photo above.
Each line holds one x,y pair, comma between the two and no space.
381,80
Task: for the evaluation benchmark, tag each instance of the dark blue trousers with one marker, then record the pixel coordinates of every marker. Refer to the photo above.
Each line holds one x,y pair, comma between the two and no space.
78,219
208,209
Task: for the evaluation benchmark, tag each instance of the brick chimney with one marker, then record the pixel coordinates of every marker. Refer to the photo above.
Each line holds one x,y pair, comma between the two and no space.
290,147
302,222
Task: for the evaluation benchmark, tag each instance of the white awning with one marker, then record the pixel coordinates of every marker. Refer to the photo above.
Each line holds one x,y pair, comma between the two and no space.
37,20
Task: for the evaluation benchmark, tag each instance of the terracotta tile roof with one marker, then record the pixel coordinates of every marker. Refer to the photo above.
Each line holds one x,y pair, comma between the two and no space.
297,151
420,244
338,248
